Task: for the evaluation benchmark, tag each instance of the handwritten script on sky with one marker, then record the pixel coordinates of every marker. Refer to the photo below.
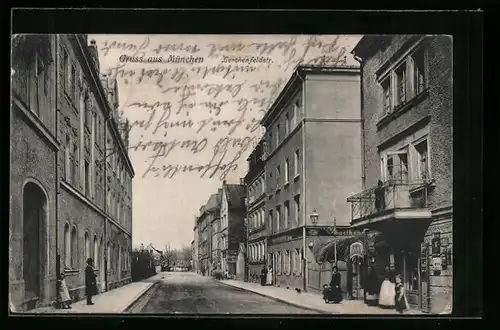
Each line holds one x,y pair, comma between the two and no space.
194,103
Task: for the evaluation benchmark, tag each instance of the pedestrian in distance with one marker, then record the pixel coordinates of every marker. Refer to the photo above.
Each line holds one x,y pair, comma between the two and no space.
269,279
90,281
333,292
63,292
379,196
263,276
400,296
372,286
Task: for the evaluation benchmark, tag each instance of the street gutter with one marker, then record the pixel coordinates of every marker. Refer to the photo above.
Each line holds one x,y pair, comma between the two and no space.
136,300
317,310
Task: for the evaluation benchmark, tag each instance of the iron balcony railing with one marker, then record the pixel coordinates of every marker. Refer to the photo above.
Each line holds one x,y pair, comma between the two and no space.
391,195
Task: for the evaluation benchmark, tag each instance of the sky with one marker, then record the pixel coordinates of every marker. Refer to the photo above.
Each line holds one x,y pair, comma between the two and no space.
194,119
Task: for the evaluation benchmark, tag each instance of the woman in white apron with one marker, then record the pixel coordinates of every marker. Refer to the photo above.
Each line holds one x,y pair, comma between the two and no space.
387,291
269,280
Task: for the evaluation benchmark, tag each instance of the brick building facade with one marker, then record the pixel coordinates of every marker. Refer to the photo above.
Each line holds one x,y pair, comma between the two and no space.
83,186
407,115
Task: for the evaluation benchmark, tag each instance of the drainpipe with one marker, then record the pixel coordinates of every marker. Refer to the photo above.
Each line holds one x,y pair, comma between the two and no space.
106,287
58,186
363,172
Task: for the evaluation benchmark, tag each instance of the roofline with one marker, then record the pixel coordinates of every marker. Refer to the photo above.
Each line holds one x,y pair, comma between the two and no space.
300,72
101,95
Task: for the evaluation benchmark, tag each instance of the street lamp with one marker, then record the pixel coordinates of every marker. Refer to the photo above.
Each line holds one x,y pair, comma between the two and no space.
314,217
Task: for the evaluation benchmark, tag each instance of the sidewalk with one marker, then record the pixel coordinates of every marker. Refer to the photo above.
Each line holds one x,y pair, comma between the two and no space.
109,302
313,301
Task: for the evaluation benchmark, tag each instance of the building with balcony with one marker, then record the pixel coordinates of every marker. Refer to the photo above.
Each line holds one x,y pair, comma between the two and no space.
406,200
71,196
232,214
312,162
256,214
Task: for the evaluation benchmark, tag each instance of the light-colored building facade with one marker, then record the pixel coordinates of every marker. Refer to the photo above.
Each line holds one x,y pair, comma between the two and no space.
312,162
407,112
209,215
75,110
256,214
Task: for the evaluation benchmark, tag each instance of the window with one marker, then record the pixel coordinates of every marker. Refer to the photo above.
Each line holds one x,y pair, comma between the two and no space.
74,248
287,124
270,141
296,162
296,112
108,253
288,263
287,170
278,175
408,81
36,81
67,158
278,263
86,174
395,166
74,178
423,161
74,83
96,253
87,246
287,220
278,137
66,75
278,218
298,263
418,71
270,220
386,86
401,83
297,208
67,247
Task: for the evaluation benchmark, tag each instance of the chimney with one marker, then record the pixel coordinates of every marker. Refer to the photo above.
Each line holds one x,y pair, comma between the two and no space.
224,182
94,53
242,181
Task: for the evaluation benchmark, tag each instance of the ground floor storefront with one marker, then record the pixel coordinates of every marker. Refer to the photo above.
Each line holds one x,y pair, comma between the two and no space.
420,252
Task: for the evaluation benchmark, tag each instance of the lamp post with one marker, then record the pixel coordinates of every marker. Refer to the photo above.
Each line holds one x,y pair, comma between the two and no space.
314,220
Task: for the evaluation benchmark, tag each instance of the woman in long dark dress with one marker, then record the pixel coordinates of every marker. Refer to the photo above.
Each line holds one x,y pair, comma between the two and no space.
372,287
336,292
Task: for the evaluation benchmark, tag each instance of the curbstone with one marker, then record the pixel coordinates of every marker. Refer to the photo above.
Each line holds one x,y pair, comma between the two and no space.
317,310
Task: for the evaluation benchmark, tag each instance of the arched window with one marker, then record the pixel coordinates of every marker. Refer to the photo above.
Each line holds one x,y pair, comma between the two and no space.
87,246
67,247
108,257
74,248
96,253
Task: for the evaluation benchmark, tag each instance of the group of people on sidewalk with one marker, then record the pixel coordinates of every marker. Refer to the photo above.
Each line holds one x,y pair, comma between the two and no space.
90,286
389,294
266,276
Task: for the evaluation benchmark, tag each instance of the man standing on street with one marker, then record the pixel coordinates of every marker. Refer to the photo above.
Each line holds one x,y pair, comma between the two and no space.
90,281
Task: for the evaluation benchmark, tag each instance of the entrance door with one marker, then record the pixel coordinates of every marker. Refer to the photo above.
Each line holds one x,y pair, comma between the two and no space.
34,213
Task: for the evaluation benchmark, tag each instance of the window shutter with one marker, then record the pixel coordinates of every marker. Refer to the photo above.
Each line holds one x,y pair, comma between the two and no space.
410,81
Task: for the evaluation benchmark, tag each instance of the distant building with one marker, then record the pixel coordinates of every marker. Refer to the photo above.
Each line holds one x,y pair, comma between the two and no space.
71,177
232,213
209,214
258,230
196,244
407,113
312,162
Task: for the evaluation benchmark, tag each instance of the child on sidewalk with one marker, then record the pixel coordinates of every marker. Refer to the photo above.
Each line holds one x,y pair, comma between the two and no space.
64,293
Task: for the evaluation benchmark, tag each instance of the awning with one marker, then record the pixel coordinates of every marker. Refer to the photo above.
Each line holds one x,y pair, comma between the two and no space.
325,252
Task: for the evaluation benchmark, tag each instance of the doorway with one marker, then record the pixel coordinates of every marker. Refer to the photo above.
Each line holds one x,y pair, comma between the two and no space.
34,236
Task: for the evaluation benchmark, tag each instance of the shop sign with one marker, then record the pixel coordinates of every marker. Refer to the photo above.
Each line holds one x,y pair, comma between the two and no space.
313,232
356,250
281,239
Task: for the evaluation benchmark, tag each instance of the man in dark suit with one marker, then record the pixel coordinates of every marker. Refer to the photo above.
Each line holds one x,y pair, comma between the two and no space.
90,281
